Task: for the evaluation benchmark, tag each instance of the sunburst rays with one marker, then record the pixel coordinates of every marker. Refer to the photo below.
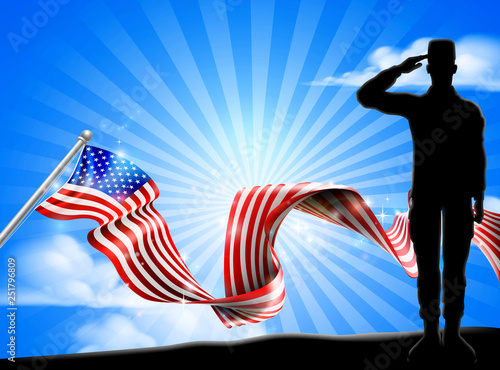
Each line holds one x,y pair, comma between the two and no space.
191,130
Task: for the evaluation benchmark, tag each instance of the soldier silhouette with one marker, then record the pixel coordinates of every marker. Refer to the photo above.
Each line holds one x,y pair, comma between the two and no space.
449,169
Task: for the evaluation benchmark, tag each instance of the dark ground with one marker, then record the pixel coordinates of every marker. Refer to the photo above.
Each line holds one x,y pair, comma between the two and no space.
286,351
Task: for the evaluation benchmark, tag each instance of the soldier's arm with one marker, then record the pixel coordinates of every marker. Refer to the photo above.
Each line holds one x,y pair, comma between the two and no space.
373,94
480,166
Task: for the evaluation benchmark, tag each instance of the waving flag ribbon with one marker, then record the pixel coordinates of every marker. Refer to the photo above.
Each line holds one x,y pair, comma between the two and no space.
135,237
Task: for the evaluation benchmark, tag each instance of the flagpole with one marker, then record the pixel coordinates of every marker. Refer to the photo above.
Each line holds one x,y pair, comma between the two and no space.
83,139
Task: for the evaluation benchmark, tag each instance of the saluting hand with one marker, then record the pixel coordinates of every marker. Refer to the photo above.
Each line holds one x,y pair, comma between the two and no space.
411,63
478,210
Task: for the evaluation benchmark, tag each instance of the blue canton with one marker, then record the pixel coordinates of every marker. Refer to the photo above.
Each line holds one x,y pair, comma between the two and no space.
102,170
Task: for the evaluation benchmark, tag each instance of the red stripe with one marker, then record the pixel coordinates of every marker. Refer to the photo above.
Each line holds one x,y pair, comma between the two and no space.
261,263
180,268
116,263
264,297
238,272
90,197
58,216
250,256
164,248
228,246
83,208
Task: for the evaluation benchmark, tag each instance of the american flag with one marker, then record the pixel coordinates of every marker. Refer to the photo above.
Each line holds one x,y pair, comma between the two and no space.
135,237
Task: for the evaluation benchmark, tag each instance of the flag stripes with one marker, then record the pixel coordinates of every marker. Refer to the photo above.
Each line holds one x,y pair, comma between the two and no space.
136,239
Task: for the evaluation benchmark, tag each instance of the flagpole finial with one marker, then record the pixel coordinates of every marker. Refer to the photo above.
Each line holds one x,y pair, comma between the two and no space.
86,136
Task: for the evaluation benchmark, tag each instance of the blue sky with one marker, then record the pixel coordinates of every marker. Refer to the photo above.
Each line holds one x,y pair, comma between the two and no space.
208,97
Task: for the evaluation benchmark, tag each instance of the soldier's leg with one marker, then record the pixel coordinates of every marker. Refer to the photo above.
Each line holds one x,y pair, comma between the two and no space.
458,229
425,232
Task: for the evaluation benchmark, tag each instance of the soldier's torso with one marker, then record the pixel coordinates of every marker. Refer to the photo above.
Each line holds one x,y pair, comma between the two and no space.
442,127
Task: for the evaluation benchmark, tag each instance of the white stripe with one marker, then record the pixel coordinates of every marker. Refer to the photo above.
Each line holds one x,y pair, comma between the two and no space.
277,201
118,254
72,212
130,248
131,222
493,256
164,249
399,235
163,227
236,217
97,193
308,188
488,222
480,233
259,240
262,299
87,203
144,252
243,240
370,223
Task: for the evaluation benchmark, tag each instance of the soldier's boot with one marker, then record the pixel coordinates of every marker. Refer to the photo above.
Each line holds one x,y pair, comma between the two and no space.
427,349
456,348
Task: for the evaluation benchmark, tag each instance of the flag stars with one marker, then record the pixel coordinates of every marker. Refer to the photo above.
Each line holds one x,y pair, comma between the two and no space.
98,166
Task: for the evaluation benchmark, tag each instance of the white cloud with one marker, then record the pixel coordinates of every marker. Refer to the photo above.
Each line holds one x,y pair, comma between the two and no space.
478,61
60,271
